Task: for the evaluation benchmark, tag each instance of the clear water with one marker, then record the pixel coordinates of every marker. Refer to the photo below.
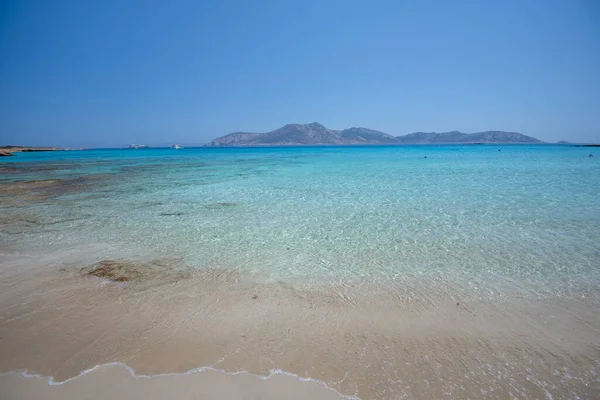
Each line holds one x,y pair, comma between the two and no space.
526,218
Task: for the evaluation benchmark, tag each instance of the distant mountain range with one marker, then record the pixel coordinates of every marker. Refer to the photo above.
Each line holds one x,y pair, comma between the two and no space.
317,134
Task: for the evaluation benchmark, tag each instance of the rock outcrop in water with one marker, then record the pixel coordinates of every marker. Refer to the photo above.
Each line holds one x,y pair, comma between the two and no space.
317,134
168,269
117,271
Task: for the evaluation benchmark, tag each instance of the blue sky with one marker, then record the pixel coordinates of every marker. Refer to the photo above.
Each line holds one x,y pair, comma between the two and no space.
95,73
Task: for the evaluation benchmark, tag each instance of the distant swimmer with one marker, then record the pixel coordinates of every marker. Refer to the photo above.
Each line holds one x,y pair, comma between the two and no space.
591,155
426,156
499,150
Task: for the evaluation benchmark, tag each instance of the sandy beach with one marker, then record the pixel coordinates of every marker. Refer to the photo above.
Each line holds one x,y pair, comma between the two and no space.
63,321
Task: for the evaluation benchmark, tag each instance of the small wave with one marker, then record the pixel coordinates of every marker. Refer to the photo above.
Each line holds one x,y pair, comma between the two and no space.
211,367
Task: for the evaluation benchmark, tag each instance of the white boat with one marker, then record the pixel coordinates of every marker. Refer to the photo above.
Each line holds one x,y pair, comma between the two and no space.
138,146
176,147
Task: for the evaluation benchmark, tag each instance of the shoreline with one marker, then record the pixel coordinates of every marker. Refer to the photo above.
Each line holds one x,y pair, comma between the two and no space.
10,150
218,384
357,341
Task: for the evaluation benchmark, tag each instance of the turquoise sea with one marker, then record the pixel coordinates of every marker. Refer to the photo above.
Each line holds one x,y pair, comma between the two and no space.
482,217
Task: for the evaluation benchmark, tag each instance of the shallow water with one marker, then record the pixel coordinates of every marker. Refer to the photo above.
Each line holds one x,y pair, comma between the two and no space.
387,266
525,218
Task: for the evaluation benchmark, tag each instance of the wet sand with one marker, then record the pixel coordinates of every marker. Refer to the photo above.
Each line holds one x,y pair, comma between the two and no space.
119,382
365,340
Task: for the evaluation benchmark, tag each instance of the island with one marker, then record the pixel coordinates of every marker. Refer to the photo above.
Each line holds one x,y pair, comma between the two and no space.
316,134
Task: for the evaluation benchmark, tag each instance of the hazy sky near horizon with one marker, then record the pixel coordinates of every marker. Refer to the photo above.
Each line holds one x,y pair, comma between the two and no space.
97,73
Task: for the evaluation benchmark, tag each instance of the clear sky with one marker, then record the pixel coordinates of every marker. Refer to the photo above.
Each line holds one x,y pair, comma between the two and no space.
94,73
